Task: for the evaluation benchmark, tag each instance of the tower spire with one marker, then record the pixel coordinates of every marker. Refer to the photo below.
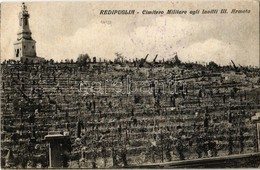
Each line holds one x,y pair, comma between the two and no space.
24,29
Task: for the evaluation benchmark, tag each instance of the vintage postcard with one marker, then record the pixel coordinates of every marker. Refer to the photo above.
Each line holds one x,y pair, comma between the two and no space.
113,84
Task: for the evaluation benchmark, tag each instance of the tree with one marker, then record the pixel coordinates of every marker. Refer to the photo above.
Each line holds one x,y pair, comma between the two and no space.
83,59
119,58
176,60
212,65
51,61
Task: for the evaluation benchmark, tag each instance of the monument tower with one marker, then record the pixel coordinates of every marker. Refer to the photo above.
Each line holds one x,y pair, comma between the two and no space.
24,47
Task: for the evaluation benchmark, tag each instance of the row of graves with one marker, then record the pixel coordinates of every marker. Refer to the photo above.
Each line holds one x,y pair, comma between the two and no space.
116,115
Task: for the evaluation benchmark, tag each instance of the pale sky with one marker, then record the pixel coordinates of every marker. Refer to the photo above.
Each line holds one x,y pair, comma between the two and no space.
63,30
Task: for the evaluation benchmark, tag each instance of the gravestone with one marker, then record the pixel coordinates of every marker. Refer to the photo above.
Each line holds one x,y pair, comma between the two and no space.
256,119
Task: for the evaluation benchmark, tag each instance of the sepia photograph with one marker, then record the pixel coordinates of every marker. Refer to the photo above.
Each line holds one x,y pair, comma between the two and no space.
130,84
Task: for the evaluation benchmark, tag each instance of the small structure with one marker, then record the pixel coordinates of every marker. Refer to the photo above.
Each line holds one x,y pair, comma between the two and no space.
256,119
9,159
56,148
